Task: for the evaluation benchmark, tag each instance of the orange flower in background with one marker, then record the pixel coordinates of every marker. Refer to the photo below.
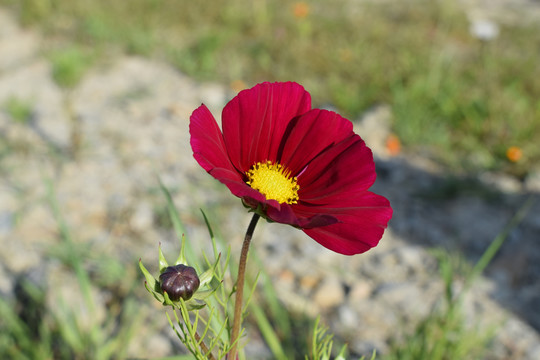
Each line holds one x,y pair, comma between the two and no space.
300,10
393,145
514,153
238,85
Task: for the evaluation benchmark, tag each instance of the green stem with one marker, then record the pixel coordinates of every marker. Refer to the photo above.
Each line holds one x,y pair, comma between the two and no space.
240,286
203,347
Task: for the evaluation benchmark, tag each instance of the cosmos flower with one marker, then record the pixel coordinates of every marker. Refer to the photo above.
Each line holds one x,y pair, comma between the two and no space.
514,154
300,10
393,145
294,165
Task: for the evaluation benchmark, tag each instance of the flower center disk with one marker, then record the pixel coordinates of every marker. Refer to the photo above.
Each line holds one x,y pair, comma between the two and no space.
274,182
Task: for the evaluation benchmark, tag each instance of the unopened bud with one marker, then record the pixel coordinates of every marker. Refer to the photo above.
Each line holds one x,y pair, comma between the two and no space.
179,281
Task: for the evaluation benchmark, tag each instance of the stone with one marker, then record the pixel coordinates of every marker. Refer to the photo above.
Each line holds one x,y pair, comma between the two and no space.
213,96
33,85
17,46
374,128
152,345
143,217
361,290
8,207
348,318
308,282
532,181
330,293
501,182
484,29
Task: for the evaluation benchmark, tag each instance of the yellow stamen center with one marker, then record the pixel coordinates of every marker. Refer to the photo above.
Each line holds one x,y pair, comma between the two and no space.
274,182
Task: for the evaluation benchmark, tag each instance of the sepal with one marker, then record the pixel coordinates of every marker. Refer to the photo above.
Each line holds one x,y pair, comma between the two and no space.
197,301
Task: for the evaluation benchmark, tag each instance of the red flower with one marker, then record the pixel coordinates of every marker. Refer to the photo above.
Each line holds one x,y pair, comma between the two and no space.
294,165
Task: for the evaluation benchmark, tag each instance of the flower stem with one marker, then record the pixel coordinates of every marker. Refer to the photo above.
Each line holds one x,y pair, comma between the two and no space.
203,347
240,287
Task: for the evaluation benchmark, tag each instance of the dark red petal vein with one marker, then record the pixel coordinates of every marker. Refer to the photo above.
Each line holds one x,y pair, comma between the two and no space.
346,166
308,135
359,228
286,215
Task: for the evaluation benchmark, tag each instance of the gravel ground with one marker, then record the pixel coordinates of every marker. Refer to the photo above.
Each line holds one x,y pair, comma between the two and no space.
104,143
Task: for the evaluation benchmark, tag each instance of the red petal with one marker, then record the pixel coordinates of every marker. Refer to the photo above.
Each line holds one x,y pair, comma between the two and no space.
209,151
254,121
310,134
346,166
360,226
207,141
236,185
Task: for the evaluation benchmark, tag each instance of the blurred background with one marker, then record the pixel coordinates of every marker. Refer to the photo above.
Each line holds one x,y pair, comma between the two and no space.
95,98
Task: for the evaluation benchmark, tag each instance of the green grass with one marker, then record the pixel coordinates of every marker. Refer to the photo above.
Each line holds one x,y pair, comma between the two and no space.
462,100
19,110
30,328
70,64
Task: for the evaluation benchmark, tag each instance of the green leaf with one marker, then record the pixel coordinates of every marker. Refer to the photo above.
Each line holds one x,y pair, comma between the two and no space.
268,332
341,355
209,274
175,218
157,295
150,280
163,264
191,306
182,256
208,226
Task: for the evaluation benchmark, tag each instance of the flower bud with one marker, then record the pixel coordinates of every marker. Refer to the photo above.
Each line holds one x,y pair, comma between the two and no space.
179,281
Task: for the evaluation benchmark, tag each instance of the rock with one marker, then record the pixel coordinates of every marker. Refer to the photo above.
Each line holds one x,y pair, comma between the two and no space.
398,296
484,29
25,246
34,86
330,293
532,181
152,343
502,182
17,46
348,317
515,341
308,282
374,128
143,217
360,291
214,96
8,205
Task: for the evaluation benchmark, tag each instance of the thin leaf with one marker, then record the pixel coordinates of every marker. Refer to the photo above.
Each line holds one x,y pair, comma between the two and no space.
496,244
268,333
150,280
